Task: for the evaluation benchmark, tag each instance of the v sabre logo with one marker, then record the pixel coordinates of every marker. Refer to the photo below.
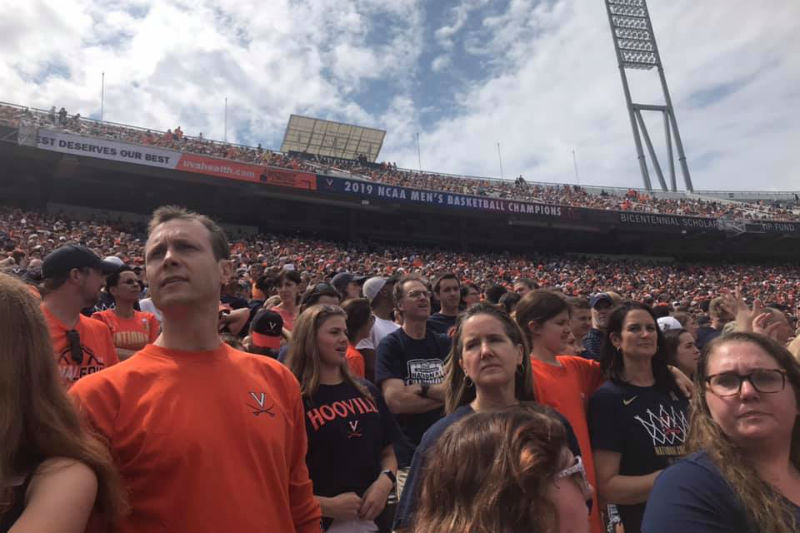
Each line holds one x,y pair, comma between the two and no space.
260,398
354,432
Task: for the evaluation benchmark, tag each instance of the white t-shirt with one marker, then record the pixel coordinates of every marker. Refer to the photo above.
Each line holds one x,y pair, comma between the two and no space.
380,329
148,305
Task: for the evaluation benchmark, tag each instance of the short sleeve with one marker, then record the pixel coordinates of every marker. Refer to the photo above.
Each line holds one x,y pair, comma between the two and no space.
155,327
690,497
389,363
604,419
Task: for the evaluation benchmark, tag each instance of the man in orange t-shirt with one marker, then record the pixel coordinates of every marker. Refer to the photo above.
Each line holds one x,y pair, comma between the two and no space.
73,276
206,437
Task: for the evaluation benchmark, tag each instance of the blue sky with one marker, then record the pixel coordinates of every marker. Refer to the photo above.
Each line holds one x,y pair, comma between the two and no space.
537,76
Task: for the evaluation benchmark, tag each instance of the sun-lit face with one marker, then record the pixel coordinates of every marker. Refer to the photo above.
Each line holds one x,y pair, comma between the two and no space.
639,336
332,341
488,355
181,267
553,334
750,417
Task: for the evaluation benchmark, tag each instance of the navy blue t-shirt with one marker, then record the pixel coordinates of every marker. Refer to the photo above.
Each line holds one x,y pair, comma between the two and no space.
441,323
646,425
414,361
346,434
692,496
407,506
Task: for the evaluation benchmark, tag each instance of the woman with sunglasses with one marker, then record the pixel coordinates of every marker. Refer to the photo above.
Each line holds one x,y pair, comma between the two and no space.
351,432
744,474
53,473
131,330
504,470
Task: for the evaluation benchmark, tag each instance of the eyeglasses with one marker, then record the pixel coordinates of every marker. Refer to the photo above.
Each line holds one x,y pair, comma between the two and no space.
578,473
75,350
418,294
765,381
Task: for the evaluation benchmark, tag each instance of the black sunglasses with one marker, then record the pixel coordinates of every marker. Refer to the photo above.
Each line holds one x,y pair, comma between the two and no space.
75,349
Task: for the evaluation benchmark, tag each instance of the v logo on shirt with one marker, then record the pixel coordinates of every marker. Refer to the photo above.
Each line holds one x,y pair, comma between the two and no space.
260,398
353,429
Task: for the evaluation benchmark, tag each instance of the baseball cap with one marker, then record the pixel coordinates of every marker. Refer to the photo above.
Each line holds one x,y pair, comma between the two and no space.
667,323
266,329
600,297
343,279
373,286
115,260
65,258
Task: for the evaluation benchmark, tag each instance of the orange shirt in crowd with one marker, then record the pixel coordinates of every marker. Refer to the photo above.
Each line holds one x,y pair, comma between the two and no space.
97,348
256,293
355,361
567,389
288,319
204,441
130,334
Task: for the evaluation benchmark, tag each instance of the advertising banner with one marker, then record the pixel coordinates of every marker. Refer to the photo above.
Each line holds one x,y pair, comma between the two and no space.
69,143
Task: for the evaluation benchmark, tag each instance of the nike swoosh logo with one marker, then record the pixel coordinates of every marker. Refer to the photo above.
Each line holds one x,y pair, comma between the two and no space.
629,400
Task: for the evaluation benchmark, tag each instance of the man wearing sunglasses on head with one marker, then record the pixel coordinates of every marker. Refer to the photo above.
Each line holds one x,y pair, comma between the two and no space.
73,276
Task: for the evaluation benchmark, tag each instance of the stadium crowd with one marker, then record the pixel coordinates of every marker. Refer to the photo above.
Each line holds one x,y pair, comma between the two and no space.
288,384
388,173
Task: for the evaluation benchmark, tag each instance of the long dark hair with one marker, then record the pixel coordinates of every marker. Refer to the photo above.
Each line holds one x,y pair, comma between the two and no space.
456,390
764,506
37,419
612,361
672,340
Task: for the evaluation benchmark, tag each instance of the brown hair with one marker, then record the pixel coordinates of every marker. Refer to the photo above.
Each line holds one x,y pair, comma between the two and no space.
358,314
303,356
398,291
539,306
764,506
37,419
456,390
511,455
219,243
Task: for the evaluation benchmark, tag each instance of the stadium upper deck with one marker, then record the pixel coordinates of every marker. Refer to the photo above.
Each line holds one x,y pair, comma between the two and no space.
786,208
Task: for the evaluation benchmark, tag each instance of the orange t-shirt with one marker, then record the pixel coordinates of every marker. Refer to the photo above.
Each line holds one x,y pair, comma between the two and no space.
288,319
96,346
355,361
567,389
130,334
204,441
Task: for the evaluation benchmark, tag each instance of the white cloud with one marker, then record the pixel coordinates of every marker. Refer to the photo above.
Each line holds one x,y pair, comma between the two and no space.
548,80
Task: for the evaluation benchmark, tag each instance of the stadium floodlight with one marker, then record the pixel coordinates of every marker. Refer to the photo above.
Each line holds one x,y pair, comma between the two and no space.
635,45
332,139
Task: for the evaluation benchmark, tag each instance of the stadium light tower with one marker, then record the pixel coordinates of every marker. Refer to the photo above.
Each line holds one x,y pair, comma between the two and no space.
636,48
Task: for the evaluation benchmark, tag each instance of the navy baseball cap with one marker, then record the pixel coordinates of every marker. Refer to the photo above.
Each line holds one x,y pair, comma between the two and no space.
65,258
600,297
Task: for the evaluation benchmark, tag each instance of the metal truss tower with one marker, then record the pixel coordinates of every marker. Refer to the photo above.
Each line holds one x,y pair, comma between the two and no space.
636,48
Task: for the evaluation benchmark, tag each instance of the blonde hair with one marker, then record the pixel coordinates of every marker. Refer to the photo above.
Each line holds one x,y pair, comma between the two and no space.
763,504
303,356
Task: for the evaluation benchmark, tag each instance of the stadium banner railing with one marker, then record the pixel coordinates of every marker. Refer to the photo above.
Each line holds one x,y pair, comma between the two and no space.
79,145
368,189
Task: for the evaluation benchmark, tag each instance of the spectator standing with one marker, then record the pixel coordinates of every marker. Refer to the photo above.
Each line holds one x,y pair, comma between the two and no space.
189,400
348,285
681,351
410,369
130,329
378,291
601,304
638,419
52,472
580,319
73,276
359,324
720,315
744,472
350,430
447,289
288,285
